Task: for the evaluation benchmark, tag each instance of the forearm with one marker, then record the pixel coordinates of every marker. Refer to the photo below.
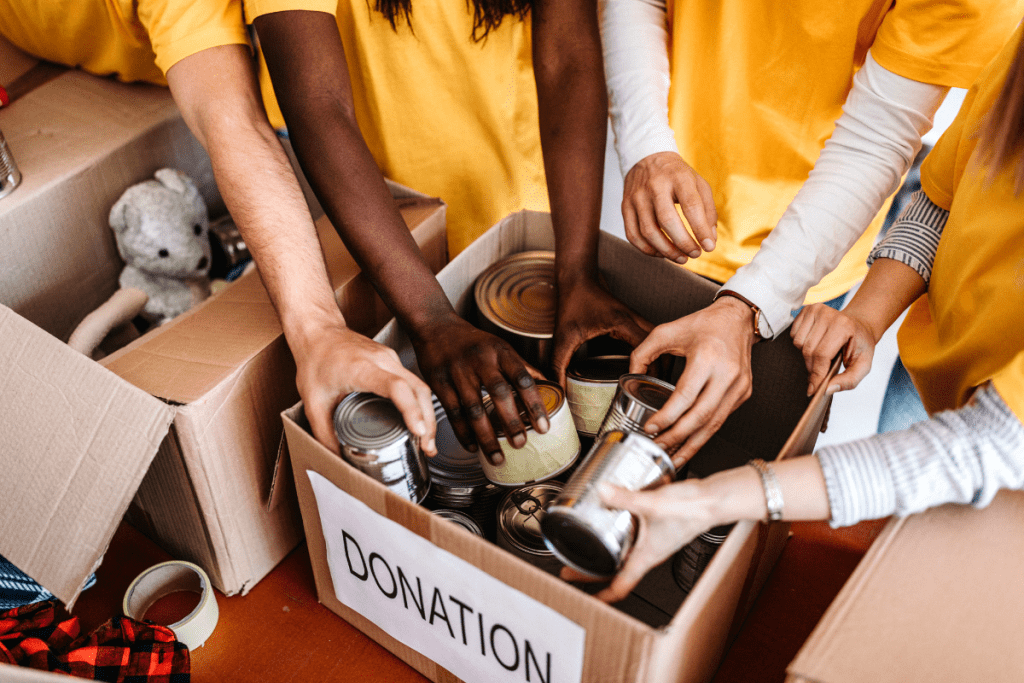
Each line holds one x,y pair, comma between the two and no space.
573,110
311,81
636,47
962,456
258,186
873,145
914,237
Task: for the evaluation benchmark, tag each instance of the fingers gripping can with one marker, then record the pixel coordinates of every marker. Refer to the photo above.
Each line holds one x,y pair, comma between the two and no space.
590,386
520,514
578,528
544,455
374,440
636,399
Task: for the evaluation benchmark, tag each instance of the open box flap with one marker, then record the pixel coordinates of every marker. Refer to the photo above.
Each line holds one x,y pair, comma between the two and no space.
77,441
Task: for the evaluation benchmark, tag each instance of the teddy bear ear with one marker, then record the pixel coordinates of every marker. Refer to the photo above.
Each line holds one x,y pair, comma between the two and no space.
119,214
173,180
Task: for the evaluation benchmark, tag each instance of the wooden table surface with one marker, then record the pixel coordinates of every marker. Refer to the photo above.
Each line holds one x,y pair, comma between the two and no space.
279,632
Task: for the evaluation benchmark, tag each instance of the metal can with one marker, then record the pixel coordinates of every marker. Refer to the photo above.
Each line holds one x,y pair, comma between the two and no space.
636,399
520,515
460,518
578,528
374,439
516,300
10,176
456,478
590,386
544,455
690,562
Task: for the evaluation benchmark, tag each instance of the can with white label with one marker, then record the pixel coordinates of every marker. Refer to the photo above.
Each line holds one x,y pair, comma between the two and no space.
544,456
517,300
460,518
375,440
590,386
519,522
578,528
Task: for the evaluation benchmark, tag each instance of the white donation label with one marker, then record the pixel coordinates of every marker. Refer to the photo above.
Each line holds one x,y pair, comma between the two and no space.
469,622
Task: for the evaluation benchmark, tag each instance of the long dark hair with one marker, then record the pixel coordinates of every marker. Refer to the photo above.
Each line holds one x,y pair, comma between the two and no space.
1002,134
487,14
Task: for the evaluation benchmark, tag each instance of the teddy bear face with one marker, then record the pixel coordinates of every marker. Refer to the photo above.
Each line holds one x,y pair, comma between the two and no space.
162,228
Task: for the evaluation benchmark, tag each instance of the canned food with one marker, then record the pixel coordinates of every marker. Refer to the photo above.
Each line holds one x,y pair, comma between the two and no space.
578,528
636,399
544,455
690,562
456,478
374,440
590,386
519,522
462,519
516,300
10,176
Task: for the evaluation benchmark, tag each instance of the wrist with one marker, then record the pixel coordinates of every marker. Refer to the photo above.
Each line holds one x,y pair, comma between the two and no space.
741,313
428,325
734,495
302,328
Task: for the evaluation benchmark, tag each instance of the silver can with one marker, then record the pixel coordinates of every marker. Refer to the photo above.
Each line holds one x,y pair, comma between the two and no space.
374,440
544,456
637,398
462,519
590,386
10,176
520,515
516,300
690,562
578,528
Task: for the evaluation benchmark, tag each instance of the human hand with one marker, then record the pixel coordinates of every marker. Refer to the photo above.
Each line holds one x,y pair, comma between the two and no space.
669,517
338,361
586,310
716,343
821,332
651,190
457,359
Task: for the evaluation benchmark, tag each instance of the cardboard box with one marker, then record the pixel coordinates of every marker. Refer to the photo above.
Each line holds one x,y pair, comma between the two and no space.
79,141
938,597
493,617
203,393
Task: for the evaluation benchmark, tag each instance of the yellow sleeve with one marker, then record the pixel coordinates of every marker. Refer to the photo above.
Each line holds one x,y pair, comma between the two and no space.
181,28
944,42
257,8
938,171
1009,382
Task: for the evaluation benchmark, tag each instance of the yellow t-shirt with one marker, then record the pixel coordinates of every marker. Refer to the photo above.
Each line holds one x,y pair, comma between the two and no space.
134,40
440,113
757,85
969,327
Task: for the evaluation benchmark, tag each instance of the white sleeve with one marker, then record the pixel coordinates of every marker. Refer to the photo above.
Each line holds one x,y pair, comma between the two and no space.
634,34
873,145
960,456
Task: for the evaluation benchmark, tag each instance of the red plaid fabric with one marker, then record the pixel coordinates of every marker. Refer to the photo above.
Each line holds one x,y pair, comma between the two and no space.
120,651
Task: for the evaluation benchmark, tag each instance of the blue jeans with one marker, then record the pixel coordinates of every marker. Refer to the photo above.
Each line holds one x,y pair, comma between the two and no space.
902,405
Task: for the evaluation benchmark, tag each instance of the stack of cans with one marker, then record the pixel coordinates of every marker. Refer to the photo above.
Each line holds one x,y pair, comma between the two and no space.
590,386
457,479
690,562
461,519
516,300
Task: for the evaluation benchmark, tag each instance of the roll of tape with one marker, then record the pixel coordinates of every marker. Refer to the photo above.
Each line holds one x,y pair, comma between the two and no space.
170,577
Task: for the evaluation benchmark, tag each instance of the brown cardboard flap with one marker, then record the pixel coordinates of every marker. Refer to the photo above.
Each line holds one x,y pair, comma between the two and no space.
938,597
13,63
77,441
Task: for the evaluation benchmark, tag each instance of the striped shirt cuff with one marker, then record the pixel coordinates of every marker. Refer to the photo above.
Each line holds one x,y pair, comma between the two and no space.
959,456
914,236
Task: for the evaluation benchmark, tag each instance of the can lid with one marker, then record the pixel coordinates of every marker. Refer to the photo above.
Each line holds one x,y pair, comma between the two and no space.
648,391
521,512
551,395
518,294
367,421
604,369
462,519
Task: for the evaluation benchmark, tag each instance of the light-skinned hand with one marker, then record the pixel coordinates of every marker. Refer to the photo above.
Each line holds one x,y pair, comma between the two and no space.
821,332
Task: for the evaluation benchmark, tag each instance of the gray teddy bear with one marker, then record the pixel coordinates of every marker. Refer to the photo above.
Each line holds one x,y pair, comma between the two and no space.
161,228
